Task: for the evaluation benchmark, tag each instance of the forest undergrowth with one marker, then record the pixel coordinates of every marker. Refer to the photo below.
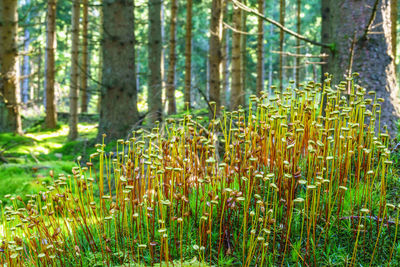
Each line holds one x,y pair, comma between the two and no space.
278,183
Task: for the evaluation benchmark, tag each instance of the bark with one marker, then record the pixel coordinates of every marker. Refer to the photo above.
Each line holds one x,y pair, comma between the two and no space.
100,68
26,94
282,7
51,112
188,54
10,118
224,57
215,54
260,50
172,59
393,18
350,25
298,59
325,31
237,95
39,75
154,60
118,111
270,69
73,93
243,52
84,69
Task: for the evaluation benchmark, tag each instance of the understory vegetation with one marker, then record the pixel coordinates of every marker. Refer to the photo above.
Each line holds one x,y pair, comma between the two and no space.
279,183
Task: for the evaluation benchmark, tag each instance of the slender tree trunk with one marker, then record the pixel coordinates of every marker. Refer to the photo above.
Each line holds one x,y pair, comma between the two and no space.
51,113
100,68
84,69
260,49
172,59
243,52
26,93
270,69
118,111
74,86
224,57
372,51
10,98
298,51
39,75
282,7
325,31
215,53
188,54
154,100
237,86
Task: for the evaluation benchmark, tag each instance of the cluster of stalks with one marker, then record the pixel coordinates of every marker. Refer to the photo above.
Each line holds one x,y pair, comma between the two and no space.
277,184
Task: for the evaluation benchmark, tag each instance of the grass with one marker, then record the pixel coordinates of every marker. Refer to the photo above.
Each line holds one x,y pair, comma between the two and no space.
277,184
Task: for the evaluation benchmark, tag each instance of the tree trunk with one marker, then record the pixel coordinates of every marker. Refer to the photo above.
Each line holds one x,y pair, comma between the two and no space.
10,98
100,68
237,98
188,54
298,51
26,94
393,18
243,52
215,54
39,75
73,93
224,57
172,59
260,49
84,69
154,101
51,112
349,25
282,7
118,111
270,68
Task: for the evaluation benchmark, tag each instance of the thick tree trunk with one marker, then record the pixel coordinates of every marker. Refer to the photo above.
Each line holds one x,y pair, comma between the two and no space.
282,7
154,101
172,59
350,22
74,86
237,95
215,54
51,112
10,98
260,49
188,54
118,111
393,19
84,69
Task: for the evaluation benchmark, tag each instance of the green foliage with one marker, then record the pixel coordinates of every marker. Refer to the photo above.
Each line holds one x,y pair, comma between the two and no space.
33,157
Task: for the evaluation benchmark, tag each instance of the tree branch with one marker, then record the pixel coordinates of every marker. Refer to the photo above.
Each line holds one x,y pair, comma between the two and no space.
277,24
371,19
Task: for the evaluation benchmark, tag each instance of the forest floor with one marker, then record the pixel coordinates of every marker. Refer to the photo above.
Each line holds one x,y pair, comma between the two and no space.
27,163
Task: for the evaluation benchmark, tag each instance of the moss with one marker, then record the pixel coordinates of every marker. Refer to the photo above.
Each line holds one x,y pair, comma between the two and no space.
16,179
